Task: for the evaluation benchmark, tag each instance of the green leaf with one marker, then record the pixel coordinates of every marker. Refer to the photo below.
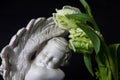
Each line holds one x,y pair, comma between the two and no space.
118,55
82,17
92,35
88,64
102,55
88,11
87,7
115,56
103,73
100,47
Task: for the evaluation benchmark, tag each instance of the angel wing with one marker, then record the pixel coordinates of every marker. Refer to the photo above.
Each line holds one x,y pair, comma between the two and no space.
17,55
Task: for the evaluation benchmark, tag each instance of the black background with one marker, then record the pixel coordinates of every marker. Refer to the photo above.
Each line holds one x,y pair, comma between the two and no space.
15,14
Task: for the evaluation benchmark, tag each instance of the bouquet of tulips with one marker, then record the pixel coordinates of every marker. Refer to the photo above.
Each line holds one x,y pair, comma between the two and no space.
85,37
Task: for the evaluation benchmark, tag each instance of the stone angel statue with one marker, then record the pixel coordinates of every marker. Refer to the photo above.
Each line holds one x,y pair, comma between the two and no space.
36,52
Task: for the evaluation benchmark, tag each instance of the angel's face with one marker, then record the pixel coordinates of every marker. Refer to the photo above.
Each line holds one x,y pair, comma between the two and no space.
50,57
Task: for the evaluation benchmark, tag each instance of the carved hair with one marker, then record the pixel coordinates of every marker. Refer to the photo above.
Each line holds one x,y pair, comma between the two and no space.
16,55
62,45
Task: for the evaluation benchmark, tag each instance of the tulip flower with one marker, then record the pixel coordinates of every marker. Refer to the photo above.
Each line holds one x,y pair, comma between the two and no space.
79,41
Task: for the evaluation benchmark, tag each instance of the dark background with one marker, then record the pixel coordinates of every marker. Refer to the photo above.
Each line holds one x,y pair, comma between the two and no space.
15,14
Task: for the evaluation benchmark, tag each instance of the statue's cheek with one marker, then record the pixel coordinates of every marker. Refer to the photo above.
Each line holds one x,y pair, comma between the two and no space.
51,65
